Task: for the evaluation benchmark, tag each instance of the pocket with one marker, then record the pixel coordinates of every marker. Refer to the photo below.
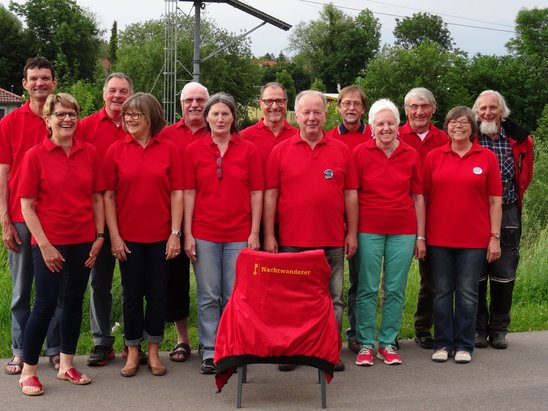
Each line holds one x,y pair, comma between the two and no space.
509,236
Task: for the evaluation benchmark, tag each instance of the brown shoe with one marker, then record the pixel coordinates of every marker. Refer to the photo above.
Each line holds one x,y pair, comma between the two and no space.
129,371
157,371
354,345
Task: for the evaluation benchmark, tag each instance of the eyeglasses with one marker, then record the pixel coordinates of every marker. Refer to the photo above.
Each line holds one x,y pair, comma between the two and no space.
197,100
220,168
133,116
462,123
61,115
347,104
279,101
415,107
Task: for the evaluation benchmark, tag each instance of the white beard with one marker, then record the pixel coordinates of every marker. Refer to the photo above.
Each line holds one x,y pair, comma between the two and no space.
489,127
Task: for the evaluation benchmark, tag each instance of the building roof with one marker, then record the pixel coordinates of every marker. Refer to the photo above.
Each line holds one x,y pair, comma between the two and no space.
8,97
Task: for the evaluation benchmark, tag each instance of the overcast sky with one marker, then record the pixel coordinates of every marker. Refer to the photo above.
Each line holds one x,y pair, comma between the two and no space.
466,18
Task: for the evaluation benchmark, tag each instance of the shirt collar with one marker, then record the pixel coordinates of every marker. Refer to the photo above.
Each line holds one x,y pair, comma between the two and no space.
344,130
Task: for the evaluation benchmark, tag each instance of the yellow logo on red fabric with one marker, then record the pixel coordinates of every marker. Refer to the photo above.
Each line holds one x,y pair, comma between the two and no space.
257,268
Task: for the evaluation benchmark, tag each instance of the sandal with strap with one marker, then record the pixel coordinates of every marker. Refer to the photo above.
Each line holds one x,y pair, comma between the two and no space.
180,349
31,386
55,361
73,376
17,364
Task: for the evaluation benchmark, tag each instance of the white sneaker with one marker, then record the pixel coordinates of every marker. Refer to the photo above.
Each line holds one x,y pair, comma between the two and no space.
440,355
463,357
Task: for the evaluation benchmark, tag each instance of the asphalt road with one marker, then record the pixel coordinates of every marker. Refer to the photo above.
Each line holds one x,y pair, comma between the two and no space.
511,379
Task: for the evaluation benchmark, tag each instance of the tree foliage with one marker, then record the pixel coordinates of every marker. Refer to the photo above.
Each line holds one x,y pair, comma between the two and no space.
113,43
284,78
410,32
64,33
12,51
336,46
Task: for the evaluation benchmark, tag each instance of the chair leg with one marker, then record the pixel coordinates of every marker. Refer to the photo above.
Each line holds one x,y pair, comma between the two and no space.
323,388
241,378
244,369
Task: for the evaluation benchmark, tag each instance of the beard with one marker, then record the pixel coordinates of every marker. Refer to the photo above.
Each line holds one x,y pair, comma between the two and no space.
489,127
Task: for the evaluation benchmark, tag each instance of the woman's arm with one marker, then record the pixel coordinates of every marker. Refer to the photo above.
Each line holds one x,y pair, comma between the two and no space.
99,217
52,257
420,212
173,245
117,244
495,218
189,199
256,215
269,217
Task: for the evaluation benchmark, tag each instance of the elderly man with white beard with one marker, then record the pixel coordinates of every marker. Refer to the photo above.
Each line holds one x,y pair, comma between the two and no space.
514,149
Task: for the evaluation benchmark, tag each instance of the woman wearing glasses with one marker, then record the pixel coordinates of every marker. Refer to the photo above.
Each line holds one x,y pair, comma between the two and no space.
144,207
223,204
463,188
61,199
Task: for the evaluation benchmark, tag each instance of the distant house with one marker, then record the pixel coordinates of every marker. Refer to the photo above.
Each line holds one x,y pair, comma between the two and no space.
8,102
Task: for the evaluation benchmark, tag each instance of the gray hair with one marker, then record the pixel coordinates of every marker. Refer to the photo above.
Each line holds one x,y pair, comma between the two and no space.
121,76
310,93
420,93
225,99
380,105
505,110
194,85
273,84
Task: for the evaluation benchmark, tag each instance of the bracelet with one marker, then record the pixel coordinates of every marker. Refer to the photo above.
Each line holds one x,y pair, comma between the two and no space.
421,238
495,235
100,235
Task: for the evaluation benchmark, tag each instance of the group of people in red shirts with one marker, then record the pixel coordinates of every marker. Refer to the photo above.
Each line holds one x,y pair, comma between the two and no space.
75,196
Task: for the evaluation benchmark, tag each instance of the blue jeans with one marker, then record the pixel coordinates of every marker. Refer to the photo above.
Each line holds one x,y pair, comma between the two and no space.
215,273
144,276
66,287
456,273
335,259
100,297
395,252
22,276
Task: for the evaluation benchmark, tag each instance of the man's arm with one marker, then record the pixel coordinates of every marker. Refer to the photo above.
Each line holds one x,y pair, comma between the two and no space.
351,212
10,236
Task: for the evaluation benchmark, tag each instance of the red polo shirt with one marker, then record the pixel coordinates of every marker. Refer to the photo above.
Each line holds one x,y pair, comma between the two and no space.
385,188
311,186
260,135
62,187
182,136
434,139
99,130
19,130
352,138
458,191
143,179
222,210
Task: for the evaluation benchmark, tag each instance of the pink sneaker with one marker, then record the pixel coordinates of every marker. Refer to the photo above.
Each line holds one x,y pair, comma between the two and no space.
365,356
389,356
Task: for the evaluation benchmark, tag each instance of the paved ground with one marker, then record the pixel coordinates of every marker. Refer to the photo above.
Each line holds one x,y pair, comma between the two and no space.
512,379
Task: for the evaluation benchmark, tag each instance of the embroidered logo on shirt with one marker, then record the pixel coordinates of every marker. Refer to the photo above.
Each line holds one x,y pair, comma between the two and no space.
477,170
328,174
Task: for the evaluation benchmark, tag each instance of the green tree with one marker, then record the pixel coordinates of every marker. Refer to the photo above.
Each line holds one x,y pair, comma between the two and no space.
336,47
284,78
13,48
113,43
531,34
411,31
318,85
62,29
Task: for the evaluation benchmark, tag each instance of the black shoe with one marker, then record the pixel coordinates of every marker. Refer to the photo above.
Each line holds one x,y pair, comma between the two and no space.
208,366
425,341
287,367
143,357
100,355
396,344
480,341
354,345
339,366
498,341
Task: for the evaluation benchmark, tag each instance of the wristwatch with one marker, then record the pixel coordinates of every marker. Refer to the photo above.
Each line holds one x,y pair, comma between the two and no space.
100,235
495,235
177,233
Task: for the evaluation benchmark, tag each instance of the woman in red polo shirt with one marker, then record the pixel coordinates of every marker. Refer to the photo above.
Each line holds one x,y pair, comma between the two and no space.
61,199
390,231
223,205
463,188
144,208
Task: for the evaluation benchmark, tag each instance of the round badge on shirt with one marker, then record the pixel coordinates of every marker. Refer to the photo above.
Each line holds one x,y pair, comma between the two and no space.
477,170
328,174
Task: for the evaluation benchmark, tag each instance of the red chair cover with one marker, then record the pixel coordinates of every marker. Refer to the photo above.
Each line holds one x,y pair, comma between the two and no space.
280,312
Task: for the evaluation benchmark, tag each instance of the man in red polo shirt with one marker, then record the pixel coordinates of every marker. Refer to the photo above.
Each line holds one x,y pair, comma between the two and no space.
102,129
423,136
190,128
312,186
20,130
272,128
351,104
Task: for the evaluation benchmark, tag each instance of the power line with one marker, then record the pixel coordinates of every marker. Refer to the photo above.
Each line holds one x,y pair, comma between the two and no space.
400,16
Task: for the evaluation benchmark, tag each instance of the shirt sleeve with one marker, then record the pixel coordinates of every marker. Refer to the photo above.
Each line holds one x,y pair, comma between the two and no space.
417,176
494,179
350,178
176,178
30,176
6,152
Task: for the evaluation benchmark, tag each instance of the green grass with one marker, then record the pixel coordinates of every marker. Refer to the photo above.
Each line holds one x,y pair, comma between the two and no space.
529,311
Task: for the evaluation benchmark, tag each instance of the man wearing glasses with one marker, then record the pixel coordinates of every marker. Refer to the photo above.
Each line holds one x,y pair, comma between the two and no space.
423,136
272,128
20,130
190,128
103,129
351,104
